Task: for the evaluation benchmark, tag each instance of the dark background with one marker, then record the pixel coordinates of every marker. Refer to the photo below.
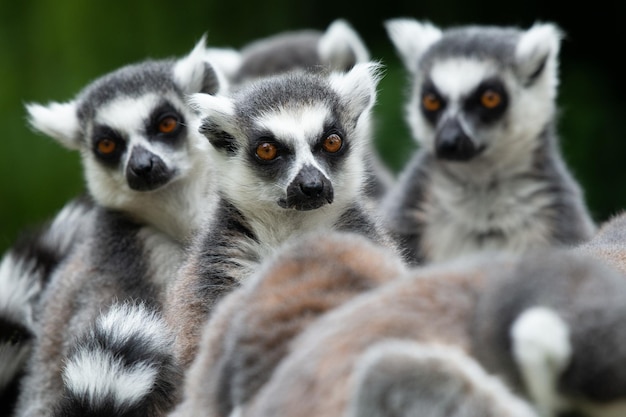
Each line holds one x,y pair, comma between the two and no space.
50,49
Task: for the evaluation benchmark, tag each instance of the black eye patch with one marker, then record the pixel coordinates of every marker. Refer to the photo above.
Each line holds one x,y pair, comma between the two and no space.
432,102
108,145
166,124
488,101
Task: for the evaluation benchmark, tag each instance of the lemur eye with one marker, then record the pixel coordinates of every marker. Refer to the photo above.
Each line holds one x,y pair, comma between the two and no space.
266,151
431,102
332,143
168,124
106,146
490,99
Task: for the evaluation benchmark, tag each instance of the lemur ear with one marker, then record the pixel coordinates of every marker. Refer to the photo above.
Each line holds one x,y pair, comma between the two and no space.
411,39
57,120
357,87
341,47
218,119
536,54
194,73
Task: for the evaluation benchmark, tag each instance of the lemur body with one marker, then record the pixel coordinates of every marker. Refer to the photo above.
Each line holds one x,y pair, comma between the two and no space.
303,279
488,174
490,334
148,170
290,149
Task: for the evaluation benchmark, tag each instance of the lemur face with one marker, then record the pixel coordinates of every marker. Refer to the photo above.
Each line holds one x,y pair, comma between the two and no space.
292,142
137,144
132,127
477,90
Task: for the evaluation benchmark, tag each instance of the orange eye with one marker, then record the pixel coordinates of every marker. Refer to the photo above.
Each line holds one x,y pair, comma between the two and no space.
106,146
266,151
167,124
490,99
431,102
332,143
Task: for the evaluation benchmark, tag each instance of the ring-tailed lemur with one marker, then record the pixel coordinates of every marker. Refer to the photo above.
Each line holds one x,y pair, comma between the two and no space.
488,173
337,48
148,169
547,324
25,271
290,150
306,277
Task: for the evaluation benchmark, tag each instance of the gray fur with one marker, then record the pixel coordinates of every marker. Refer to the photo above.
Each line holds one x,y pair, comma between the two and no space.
481,178
303,279
402,378
138,242
256,213
470,305
25,271
302,49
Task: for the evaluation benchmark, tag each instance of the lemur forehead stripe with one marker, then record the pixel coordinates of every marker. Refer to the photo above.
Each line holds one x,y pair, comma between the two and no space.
296,124
130,81
128,113
445,75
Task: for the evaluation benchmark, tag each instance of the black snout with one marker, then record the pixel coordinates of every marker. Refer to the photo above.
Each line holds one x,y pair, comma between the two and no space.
146,171
452,143
308,191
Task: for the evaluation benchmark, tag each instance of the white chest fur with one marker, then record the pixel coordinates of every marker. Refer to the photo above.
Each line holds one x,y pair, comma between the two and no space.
500,215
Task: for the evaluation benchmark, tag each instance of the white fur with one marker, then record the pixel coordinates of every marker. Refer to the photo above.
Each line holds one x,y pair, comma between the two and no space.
189,71
339,42
18,288
357,87
411,39
125,320
163,208
13,358
542,350
228,60
97,373
434,357
98,376
540,42
57,120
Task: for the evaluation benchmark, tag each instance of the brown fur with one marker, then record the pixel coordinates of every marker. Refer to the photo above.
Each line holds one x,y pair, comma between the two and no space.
253,327
609,243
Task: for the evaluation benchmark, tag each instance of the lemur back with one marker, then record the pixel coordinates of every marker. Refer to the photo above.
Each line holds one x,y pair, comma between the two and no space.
148,170
290,149
488,173
496,334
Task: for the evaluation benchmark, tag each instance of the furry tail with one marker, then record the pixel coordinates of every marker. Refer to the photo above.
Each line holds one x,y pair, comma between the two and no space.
122,367
25,270
405,378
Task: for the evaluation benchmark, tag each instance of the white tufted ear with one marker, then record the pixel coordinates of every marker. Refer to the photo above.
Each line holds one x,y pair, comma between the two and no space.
57,120
340,46
537,52
194,73
357,87
411,39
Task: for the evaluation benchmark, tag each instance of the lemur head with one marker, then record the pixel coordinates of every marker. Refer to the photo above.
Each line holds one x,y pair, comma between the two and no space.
477,89
133,127
295,141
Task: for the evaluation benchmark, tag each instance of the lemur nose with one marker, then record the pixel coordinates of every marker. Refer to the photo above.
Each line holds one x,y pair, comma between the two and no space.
313,188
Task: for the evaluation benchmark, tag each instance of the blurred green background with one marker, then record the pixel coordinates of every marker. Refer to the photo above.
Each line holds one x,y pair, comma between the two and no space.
50,49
